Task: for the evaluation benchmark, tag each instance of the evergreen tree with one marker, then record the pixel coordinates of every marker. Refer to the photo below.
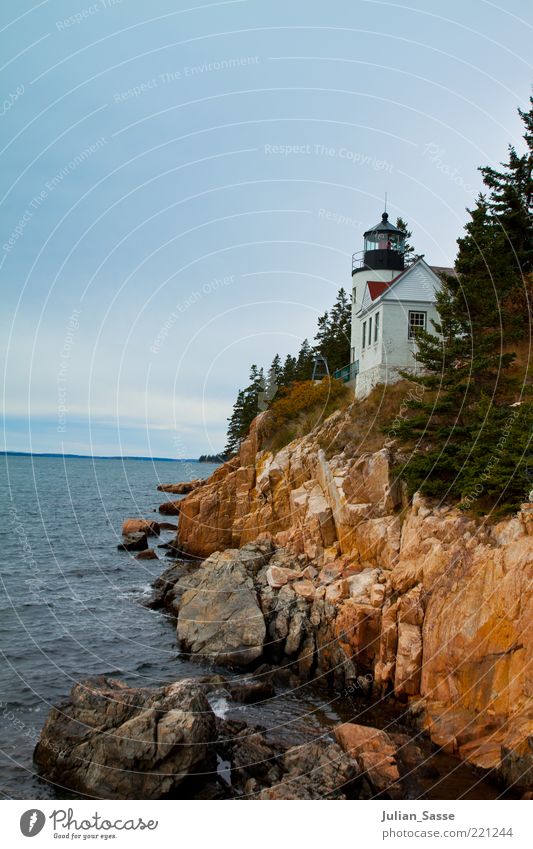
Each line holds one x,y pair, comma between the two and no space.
511,201
408,248
249,403
332,340
253,395
304,362
236,425
289,371
274,378
467,440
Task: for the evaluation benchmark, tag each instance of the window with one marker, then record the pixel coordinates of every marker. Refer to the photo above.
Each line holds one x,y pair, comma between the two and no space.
370,330
376,327
417,321
364,335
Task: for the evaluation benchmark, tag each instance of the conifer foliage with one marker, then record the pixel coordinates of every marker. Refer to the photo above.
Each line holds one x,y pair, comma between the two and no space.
470,430
332,341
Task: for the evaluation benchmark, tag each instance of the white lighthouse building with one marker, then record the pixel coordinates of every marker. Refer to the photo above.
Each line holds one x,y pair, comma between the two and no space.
390,303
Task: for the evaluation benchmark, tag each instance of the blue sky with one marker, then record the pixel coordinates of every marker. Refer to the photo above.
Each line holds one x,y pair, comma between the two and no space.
183,186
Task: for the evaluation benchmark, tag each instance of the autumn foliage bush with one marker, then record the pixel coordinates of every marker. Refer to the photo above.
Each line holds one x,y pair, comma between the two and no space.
302,406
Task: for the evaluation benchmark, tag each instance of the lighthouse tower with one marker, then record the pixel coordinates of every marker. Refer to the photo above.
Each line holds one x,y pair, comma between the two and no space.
391,304
382,259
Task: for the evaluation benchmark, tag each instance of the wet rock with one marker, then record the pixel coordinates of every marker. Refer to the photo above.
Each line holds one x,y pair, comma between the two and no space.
181,488
251,692
134,542
112,741
253,757
167,591
147,554
168,526
170,508
144,526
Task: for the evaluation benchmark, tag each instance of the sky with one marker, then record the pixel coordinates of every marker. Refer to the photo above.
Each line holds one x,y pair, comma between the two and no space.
183,185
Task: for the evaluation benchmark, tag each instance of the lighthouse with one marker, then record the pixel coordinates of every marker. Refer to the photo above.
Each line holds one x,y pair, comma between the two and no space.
391,303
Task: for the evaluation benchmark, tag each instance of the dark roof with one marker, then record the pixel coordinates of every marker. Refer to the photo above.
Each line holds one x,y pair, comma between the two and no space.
384,226
443,269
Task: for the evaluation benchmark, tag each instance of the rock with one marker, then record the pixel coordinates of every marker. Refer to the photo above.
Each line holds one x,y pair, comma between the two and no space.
460,587
375,753
145,526
168,526
147,554
277,576
321,770
337,591
134,542
170,508
253,757
112,741
408,660
219,616
167,591
251,692
181,488
305,589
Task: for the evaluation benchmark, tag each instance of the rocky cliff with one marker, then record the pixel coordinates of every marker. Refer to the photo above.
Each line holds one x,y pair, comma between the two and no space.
353,583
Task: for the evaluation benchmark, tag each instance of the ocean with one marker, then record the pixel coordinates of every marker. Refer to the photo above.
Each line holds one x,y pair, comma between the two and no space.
71,603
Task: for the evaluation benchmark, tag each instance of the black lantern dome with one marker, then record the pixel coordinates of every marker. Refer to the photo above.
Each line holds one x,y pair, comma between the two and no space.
384,246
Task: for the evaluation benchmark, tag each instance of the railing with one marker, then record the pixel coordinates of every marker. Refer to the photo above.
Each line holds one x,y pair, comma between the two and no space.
347,373
358,260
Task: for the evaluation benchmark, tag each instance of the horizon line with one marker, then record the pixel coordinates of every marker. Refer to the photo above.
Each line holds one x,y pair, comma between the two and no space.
8,453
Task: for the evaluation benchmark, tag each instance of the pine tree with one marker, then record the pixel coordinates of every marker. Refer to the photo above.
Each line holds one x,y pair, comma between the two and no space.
462,414
304,362
253,395
288,371
236,425
274,378
404,227
332,339
511,201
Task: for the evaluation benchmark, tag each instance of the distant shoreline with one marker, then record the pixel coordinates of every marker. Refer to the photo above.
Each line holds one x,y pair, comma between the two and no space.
98,457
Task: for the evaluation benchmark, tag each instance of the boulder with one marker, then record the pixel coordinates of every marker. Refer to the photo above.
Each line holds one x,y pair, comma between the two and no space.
147,554
219,616
134,542
113,741
170,508
278,576
375,753
251,692
182,488
144,526
316,771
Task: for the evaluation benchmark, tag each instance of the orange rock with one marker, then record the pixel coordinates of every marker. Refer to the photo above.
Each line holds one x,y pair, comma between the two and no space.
145,526
278,576
305,589
408,660
374,751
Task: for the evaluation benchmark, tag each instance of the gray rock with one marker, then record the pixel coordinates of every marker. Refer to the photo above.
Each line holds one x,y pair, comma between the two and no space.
137,541
113,741
219,617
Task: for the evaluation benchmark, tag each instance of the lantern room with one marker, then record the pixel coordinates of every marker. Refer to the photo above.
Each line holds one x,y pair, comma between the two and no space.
384,246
